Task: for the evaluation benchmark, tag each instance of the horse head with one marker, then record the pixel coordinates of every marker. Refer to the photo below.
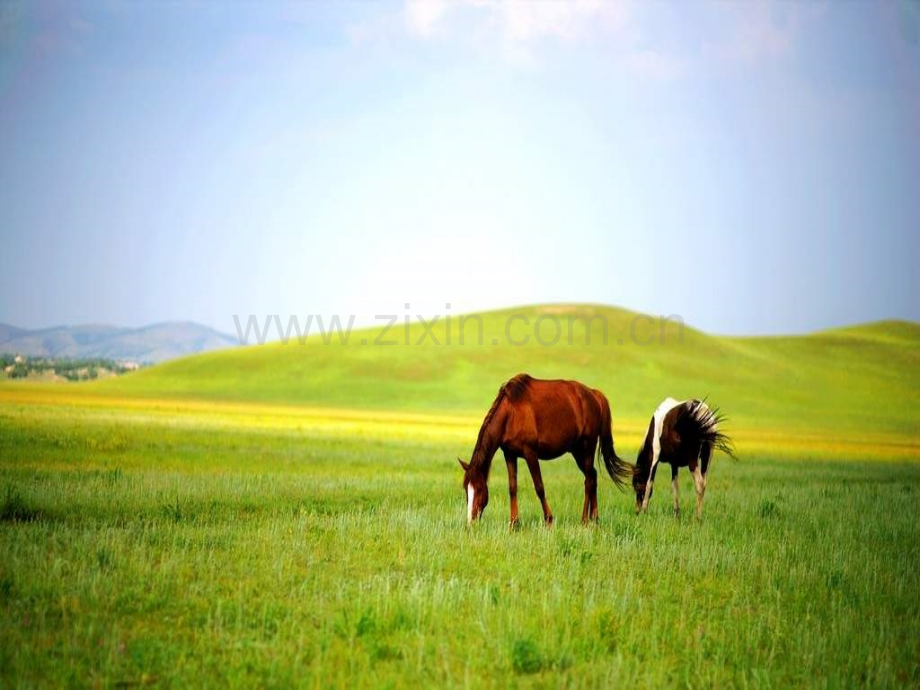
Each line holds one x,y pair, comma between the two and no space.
476,489
639,480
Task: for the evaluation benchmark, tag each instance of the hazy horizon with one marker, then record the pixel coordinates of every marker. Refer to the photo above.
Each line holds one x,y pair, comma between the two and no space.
249,332
752,168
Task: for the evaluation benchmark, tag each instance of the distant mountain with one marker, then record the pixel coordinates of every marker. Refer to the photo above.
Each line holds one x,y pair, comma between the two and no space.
149,344
9,332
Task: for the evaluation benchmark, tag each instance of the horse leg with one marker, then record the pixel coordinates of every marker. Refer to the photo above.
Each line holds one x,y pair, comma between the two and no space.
586,465
705,456
699,478
591,486
533,464
648,486
699,481
587,505
511,462
675,491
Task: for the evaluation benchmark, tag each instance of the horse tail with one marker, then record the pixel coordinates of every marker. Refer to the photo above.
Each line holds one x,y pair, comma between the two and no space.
618,469
698,423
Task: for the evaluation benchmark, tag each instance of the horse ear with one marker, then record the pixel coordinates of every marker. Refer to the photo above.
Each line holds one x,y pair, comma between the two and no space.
464,465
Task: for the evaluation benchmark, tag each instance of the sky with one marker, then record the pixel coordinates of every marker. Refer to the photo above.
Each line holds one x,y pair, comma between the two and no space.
751,167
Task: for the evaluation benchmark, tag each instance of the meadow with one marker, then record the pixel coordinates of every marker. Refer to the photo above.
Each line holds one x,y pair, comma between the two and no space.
293,515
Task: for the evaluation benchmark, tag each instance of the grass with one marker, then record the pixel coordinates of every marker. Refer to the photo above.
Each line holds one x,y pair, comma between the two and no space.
147,545
293,516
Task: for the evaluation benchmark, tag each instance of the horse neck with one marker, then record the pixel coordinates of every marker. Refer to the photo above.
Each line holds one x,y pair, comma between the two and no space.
482,456
486,446
644,459
643,464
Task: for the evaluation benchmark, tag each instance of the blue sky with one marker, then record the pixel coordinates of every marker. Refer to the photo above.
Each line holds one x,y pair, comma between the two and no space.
752,167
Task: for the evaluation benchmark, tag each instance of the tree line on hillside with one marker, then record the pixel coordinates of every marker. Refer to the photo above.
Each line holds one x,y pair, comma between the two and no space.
76,369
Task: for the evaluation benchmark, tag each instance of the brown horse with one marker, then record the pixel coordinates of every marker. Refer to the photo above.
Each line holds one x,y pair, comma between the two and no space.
680,434
541,420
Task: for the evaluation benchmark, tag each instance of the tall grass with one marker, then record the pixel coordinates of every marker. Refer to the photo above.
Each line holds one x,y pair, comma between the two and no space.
142,545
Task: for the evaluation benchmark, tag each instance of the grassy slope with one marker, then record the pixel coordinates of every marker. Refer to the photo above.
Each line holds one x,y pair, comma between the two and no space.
847,393
862,377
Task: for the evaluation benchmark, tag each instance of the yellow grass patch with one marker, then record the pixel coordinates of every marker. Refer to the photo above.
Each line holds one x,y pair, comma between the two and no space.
53,401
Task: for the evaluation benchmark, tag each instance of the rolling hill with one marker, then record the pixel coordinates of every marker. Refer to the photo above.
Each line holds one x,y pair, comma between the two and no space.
150,344
837,381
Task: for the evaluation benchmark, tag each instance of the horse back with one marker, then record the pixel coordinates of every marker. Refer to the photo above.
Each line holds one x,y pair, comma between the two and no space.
553,417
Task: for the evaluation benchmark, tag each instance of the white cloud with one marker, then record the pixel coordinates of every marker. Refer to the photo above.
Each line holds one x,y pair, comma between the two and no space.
637,39
527,20
518,21
423,16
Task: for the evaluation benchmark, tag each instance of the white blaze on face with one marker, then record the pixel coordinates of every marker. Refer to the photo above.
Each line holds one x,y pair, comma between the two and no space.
469,502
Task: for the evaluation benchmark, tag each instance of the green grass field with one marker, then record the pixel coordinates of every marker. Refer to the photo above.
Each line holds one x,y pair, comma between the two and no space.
293,515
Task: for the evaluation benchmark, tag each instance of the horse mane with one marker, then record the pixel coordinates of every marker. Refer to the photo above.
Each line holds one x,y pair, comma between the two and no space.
513,389
698,423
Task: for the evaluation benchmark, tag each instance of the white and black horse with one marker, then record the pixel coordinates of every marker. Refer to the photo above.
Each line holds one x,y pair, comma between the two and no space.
681,434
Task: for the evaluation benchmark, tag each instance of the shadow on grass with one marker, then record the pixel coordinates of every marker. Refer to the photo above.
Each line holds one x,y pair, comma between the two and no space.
15,509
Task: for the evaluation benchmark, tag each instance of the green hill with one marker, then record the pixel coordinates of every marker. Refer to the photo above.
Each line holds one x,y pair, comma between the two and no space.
846,379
